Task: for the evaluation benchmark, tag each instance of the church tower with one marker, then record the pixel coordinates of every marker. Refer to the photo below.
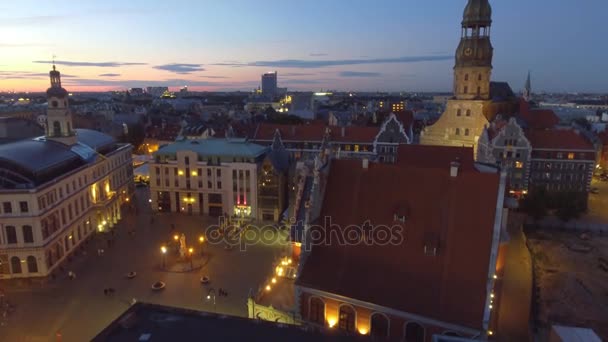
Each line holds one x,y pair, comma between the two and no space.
59,119
473,67
472,107
527,95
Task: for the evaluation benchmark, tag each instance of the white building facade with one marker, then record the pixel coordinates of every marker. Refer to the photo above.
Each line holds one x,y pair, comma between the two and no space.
207,177
57,190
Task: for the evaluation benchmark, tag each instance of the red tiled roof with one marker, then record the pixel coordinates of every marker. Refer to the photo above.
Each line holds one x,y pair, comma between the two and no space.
603,136
315,132
565,139
406,117
537,118
434,156
266,131
450,286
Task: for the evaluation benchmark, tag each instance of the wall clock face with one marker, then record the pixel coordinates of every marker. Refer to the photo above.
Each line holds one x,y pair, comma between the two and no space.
468,51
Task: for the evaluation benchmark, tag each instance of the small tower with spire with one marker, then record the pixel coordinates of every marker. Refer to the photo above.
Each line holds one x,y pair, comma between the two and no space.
528,89
59,118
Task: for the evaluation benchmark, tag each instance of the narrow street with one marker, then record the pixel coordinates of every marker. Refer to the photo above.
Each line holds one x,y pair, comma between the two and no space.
516,289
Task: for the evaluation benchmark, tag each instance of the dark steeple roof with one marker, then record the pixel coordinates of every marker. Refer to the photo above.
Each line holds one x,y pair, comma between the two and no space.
56,90
477,13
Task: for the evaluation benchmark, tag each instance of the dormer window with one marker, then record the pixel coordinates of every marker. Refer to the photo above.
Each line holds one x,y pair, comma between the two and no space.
399,217
431,244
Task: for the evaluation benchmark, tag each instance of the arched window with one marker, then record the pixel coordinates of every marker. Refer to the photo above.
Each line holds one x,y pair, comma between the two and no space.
466,132
478,90
347,318
16,264
466,77
379,325
28,234
11,234
479,77
468,112
457,131
459,112
414,332
32,264
56,128
316,310
466,89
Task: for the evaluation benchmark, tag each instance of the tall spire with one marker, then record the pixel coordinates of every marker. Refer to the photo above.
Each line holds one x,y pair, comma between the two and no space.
528,89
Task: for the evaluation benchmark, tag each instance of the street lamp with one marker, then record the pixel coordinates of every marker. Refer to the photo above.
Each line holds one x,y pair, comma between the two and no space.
190,251
163,251
201,239
211,295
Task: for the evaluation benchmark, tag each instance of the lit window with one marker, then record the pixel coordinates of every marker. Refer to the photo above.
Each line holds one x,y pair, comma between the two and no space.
347,147
570,156
519,165
356,148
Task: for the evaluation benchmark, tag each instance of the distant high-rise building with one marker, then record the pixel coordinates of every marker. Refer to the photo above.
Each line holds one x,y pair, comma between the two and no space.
269,83
156,91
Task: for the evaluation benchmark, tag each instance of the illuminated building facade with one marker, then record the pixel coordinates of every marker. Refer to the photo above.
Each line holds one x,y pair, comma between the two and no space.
476,99
57,190
504,143
211,177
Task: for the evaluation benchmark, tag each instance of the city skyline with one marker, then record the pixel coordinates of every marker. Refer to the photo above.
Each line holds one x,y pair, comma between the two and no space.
228,45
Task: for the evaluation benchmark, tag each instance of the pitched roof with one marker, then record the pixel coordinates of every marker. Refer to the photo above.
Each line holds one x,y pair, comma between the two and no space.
501,91
536,118
236,147
454,213
565,139
315,132
434,156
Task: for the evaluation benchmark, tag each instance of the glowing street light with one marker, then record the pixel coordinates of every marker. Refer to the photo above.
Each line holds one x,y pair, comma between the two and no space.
175,237
163,251
190,251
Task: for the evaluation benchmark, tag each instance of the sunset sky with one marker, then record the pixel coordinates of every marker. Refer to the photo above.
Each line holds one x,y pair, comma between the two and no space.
385,45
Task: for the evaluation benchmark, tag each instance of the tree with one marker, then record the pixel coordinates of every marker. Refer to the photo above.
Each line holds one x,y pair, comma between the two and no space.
569,205
535,204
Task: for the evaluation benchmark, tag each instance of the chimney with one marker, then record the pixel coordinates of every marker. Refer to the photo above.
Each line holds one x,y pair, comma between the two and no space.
365,162
454,169
343,129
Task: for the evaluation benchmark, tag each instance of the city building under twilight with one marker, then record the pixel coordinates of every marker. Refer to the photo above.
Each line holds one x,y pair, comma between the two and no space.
57,190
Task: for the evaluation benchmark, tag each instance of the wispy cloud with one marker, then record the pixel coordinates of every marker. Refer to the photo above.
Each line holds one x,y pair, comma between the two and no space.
28,21
109,75
299,63
359,74
181,68
320,54
91,64
288,74
208,76
6,75
296,81
178,82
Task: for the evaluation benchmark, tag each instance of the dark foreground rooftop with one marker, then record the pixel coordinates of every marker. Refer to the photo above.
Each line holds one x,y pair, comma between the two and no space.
151,322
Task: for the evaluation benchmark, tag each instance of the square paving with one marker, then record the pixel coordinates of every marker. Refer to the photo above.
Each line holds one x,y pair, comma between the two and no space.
78,309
